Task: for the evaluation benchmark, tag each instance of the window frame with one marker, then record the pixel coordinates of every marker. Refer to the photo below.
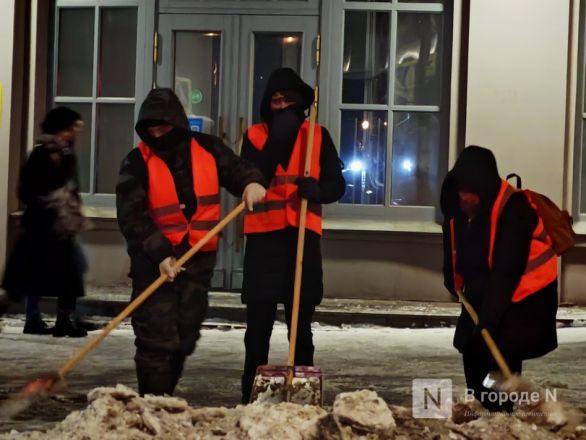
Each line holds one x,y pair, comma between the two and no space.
330,100
145,10
580,119
245,7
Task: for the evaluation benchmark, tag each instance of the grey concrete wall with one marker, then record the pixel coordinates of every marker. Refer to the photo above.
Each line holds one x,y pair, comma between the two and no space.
374,265
383,266
106,251
517,77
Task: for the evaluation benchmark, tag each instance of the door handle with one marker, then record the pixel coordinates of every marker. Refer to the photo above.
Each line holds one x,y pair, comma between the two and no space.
237,143
241,130
221,133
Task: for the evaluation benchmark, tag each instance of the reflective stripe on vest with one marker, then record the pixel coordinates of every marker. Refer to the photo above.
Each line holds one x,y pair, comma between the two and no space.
165,209
458,281
282,205
541,268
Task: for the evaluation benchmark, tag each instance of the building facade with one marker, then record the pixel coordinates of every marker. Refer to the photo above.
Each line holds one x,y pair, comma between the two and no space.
403,86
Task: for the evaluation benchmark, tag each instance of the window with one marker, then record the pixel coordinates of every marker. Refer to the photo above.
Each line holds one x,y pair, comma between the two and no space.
95,73
389,104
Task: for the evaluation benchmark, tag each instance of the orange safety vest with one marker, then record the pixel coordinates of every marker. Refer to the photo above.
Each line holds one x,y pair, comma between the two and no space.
541,269
282,206
164,205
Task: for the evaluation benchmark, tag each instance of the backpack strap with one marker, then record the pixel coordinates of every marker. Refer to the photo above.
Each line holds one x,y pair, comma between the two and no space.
519,184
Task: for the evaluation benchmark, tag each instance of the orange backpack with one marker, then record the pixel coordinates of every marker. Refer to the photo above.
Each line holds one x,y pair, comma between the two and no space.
557,222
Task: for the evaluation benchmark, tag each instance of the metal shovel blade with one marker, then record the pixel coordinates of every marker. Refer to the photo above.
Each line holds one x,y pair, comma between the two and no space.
270,385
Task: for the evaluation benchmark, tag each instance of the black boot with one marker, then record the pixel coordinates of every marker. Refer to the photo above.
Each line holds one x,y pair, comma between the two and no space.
157,383
64,327
246,387
177,364
37,327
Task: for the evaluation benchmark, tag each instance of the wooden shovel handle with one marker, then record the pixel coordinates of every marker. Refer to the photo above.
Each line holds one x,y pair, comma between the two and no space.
84,351
494,350
300,248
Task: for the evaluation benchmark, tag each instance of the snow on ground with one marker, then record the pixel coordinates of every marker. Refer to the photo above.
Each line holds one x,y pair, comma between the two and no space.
385,360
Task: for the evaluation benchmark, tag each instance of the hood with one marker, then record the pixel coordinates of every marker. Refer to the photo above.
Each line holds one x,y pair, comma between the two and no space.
475,171
161,106
281,80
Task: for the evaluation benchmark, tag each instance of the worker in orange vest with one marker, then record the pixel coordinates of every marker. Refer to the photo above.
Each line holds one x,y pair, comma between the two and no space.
497,251
168,197
277,146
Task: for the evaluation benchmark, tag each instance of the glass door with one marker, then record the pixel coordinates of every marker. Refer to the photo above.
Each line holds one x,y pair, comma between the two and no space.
219,66
197,61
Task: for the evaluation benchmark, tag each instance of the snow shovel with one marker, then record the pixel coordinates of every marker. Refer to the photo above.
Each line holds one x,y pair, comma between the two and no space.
47,384
494,350
290,383
510,383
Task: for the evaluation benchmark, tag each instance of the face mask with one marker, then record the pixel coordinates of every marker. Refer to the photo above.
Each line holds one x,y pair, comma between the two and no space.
168,141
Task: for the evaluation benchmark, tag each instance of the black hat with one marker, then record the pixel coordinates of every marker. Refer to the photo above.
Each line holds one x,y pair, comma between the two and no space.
60,118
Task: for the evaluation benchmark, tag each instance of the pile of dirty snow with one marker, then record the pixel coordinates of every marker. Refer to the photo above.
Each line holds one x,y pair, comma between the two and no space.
120,413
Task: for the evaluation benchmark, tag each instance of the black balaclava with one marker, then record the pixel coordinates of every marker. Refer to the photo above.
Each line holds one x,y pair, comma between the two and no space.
167,143
284,123
162,107
475,171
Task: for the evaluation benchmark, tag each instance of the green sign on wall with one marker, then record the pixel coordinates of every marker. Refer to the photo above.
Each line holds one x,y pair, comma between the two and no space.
196,96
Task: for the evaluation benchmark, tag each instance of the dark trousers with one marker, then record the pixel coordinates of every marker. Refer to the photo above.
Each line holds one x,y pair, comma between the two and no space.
478,362
65,306
167,327
260,318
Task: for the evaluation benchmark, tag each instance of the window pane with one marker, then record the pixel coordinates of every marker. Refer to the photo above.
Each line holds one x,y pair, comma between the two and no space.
365,63
419,163
272,51
83,144
117,65
419,59
197,72
115,135
363,151
76,52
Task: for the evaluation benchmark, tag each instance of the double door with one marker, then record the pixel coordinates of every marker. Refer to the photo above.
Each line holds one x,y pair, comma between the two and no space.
219,65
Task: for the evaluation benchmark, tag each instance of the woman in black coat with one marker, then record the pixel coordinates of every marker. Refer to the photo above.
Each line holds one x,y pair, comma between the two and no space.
46,260
522,330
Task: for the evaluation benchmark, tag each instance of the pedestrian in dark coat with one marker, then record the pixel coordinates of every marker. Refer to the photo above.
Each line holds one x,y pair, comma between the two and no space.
522,329
269,262
46,260
168,324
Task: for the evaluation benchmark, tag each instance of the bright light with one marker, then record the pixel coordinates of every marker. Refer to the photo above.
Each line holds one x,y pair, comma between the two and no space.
356,166
369,191
407,165
211,34
365,124
289,40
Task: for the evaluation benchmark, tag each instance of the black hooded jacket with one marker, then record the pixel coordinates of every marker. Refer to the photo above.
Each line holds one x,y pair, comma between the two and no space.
490,290
162,106
269,261
283,129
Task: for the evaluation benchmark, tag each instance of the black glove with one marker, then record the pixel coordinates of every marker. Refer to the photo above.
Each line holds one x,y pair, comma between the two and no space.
308,188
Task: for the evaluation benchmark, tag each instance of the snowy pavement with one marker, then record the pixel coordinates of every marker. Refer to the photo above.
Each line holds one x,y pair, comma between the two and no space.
383,359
